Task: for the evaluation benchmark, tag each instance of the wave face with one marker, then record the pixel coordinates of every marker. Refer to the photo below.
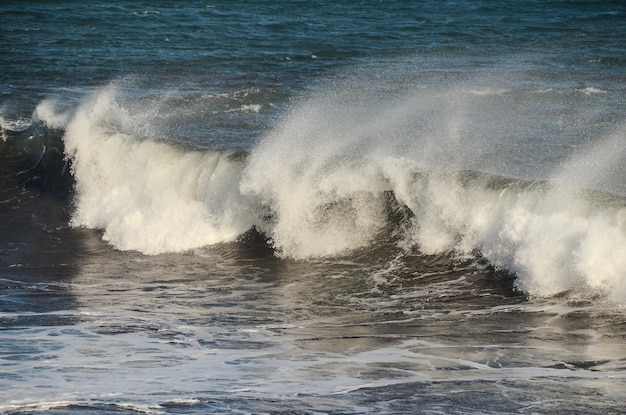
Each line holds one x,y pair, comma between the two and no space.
339,174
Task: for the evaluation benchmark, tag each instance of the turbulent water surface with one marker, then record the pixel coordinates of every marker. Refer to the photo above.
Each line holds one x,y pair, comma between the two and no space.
313,207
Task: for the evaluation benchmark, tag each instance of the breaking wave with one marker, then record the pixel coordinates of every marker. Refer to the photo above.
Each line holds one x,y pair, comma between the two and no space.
339,174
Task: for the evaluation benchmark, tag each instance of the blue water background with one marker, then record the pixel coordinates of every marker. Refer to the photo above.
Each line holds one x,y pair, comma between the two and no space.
62,48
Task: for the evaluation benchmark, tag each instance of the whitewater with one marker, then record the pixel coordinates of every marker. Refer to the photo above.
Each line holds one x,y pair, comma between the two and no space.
336,175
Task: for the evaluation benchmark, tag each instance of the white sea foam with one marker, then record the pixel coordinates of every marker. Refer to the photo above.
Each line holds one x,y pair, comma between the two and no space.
553,241
251,108
487,91
326,199
591,90
146,195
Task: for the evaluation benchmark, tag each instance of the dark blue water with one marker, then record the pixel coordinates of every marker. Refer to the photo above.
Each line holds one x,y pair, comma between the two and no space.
312,207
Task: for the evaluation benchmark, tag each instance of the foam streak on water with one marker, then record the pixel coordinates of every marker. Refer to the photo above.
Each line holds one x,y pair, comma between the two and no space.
178,336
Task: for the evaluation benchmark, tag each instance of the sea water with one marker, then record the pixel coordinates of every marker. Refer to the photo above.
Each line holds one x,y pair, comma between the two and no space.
312,207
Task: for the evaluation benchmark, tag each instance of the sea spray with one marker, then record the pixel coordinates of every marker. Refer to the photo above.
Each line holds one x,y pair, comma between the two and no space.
346,156
325,196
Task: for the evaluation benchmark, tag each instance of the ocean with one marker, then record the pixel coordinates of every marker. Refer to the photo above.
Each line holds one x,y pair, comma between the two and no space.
312,207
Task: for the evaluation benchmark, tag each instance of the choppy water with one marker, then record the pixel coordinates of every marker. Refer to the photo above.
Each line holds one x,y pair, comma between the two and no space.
310,207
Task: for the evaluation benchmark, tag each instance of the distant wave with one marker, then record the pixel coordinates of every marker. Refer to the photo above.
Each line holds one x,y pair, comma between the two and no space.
328,181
